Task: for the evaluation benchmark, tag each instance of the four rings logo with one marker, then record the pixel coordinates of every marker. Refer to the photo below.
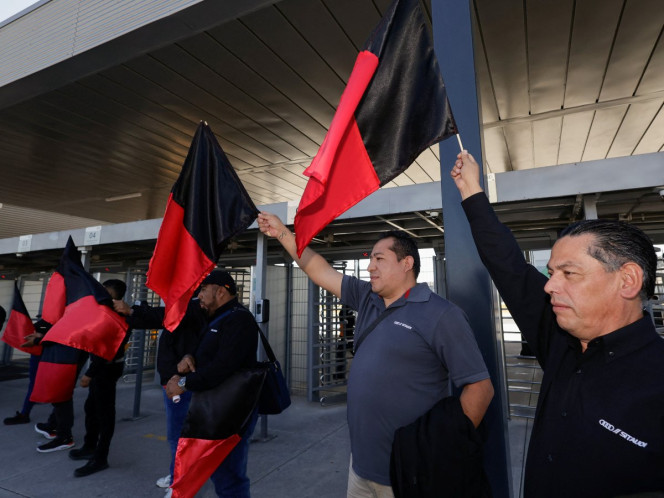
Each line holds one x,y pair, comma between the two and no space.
618,431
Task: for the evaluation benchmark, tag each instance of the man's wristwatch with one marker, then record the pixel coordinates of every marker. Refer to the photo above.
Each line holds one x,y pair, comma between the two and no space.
182,383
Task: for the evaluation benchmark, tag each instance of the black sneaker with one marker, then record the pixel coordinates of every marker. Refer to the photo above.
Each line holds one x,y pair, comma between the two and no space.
45,430
83,453
19,418
57,444
90,468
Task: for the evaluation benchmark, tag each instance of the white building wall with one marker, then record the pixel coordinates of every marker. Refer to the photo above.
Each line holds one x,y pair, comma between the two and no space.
60,29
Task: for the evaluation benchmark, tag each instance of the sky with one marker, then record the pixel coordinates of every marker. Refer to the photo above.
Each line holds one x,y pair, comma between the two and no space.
10,7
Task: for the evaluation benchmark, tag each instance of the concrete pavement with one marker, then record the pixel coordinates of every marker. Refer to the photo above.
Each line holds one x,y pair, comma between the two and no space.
305,456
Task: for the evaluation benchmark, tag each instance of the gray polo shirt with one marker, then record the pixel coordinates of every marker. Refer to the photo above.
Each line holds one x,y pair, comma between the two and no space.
402,368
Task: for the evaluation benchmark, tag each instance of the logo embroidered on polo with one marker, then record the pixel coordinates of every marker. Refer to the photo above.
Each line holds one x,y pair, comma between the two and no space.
619,432
404,325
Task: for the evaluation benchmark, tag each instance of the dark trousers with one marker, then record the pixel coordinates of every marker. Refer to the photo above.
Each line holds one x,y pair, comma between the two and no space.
62,418
100,410
230,479
62,415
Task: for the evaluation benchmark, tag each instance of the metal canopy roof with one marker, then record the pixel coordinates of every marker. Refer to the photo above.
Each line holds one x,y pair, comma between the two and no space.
560,82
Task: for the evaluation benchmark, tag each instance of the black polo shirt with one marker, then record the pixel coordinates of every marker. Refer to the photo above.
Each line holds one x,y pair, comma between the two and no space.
599,424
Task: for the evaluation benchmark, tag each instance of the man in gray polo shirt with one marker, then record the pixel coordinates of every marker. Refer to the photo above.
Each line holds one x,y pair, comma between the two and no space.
405,364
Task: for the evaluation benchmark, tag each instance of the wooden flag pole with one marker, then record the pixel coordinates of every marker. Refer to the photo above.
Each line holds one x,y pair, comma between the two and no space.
459,140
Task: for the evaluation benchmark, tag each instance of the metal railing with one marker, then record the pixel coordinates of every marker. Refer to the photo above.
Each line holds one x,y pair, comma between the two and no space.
524,375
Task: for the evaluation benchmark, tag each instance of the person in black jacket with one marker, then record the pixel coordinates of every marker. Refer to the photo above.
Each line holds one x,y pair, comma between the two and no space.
599,424
172,348
101,379
228,345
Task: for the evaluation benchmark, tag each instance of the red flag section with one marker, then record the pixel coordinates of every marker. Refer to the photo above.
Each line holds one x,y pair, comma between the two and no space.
55,298
208,205
19,325
56,374
394,107
209,454
176,282
91,327
216,420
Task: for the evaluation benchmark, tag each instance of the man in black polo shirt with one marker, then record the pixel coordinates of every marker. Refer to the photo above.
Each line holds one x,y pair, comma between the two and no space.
599,425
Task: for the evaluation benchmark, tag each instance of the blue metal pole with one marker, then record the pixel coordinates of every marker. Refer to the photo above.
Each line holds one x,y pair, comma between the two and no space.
468,283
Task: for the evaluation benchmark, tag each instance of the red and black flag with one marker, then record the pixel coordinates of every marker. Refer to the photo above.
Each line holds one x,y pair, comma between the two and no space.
215,423
207,206
56,373
394,107
84,320
19,326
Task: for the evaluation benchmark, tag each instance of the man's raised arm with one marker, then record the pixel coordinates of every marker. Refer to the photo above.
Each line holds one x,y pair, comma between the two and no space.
312,263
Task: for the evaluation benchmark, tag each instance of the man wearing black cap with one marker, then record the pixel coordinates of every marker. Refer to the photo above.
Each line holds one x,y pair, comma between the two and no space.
229,344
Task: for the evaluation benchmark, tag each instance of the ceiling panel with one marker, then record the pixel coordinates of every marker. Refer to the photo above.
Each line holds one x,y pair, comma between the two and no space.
487,98
638,32
574,135
592,37
17,221
520,145
653,138
235,114
326,37
296,53
254,52
548,27
257,98
496,156
603,131
634,125
354,18
430,164
546,141
504,40
652,78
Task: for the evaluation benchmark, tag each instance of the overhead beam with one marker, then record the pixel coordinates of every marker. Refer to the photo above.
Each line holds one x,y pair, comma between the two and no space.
635,99
110,234
605,175
421,197
383,202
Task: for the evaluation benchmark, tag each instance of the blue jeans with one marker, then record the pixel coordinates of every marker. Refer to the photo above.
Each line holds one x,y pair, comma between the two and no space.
230,479
175,416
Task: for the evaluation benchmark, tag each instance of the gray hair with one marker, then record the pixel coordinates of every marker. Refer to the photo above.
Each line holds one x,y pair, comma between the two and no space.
617,243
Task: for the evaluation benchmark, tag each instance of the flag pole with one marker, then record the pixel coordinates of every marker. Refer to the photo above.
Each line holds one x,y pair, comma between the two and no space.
459,140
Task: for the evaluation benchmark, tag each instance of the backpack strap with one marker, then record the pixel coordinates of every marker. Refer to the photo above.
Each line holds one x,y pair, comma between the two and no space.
370,328
264,341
